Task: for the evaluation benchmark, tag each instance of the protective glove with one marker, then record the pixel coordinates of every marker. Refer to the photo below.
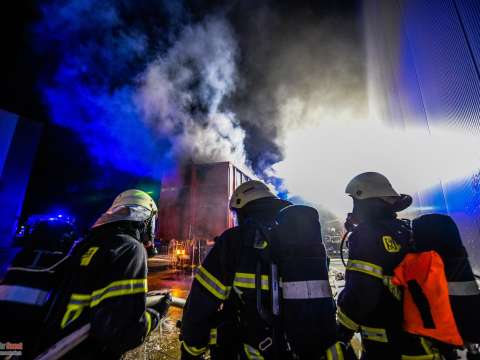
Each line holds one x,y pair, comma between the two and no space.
162,306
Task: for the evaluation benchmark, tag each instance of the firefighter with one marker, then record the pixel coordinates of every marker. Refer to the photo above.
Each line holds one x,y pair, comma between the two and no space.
232,291
107,285
35,271
370,304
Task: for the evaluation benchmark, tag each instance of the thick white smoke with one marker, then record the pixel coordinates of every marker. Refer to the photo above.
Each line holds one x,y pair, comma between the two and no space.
181,94
320,159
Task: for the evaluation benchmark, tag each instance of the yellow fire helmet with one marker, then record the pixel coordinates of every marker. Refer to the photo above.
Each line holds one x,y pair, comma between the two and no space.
130,205
249,191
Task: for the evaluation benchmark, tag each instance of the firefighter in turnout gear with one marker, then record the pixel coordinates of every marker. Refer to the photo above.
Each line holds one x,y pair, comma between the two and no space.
370,304
107,283
242,301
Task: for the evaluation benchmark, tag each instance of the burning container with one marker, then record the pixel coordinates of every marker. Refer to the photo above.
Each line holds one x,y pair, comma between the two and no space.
193,205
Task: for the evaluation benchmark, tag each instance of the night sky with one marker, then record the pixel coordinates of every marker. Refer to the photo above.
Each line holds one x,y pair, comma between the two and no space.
68,175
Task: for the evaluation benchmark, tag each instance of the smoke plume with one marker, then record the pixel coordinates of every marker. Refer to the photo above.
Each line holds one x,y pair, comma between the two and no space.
299,67
181,94
152,83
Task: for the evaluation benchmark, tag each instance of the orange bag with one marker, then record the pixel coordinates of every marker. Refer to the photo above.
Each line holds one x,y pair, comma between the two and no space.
426,304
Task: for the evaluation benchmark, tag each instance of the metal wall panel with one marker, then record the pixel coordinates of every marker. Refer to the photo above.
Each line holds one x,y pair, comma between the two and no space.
426,60
15,176
8,122
14,180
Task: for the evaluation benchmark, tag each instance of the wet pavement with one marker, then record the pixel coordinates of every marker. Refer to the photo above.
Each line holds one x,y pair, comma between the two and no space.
163,343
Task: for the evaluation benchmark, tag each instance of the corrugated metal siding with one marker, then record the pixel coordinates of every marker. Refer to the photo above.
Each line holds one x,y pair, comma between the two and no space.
432,51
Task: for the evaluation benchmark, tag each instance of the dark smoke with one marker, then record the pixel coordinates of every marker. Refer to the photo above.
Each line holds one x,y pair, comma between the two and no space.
300,64
147,84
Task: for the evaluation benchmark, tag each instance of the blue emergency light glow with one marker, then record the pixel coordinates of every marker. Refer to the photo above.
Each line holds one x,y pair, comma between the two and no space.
81,97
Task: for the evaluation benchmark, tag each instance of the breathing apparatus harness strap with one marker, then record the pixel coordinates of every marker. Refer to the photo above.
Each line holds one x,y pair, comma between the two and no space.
271,315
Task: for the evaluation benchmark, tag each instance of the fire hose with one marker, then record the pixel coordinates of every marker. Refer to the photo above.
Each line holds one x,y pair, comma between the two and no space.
65,345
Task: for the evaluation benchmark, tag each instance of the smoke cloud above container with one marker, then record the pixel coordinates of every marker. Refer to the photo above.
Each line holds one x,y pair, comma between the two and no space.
147,84
181,94
143,96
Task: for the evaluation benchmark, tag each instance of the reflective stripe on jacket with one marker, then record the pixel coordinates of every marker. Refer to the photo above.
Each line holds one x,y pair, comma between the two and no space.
107,288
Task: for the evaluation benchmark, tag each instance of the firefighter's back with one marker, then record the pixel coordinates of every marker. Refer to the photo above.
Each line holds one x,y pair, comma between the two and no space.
100,280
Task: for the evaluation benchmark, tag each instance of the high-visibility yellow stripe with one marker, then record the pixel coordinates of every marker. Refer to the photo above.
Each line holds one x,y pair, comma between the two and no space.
335,352
419,357
365,267
192,350
81,297
213,337
252,353
149,321
374,334
117,288
394,289
247,280
72,313
212,284
212,278
87,257
346,321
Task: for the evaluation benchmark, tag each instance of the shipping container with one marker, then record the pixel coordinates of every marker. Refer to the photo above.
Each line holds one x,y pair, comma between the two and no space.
193,204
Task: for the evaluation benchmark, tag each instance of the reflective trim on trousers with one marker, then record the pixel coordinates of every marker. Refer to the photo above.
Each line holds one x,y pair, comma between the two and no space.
335,352
213,337
149,321
463,288
346,321
311,289
374,334
247,280
365,267
252,353
427,346
192,350
212,284
23,295
430,353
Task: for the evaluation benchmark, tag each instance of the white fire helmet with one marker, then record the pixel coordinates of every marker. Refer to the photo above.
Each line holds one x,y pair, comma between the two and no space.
130,205
249,191
371,185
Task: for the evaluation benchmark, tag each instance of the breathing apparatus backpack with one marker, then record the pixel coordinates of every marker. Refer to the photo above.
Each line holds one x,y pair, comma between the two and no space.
292,251
441,297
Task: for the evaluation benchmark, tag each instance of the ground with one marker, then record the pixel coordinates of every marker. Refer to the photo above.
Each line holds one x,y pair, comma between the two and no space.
163,343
